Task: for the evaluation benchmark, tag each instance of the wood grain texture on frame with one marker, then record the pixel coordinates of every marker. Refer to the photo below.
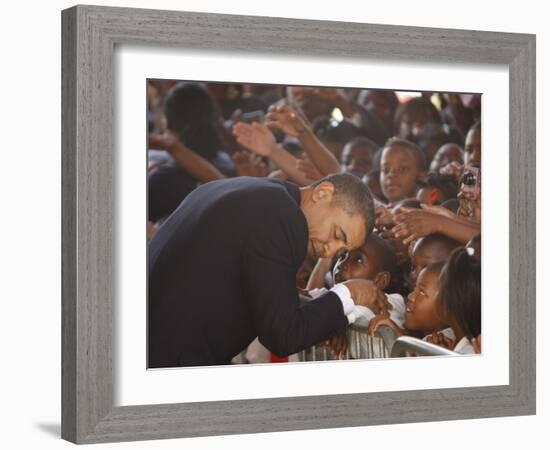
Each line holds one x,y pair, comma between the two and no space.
89,36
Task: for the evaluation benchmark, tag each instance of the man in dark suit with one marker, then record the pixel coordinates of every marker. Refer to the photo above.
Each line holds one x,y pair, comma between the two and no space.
222,268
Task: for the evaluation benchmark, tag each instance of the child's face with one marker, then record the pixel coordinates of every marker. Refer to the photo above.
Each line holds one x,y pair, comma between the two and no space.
422,312
356,264
398,173
377,104
412,123
422,256
472,148
445,155
356,159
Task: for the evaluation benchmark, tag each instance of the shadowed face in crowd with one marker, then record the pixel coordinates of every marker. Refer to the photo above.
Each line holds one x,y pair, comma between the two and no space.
356,159
472,147
428,250
332,229
422,312
376,103
413,123
446,154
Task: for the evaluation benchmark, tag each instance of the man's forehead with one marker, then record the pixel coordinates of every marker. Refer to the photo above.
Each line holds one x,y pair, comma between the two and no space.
354,228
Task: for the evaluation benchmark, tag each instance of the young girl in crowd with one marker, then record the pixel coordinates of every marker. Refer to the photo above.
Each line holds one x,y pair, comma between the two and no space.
460,300
422,314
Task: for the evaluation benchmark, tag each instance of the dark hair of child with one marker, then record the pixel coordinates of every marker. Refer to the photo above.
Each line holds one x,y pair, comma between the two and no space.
328,129
192,114
460,291
418,154
447,184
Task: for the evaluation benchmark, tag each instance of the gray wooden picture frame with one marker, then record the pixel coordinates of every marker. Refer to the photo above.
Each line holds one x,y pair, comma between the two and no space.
89,37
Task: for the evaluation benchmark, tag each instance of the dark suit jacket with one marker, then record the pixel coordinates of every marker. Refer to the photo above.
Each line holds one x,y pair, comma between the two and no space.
222,271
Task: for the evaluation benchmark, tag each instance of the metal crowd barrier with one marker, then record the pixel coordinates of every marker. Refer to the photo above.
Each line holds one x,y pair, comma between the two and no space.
384,345
360,346
406,345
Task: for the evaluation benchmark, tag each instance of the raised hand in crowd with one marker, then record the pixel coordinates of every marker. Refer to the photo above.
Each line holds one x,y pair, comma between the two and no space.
194,164
256,137
416,223
249,164
454,169
305,166
259,139
292,123
286,119
332,95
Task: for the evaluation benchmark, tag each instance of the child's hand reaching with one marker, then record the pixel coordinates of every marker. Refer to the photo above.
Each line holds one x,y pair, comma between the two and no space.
453,168
338,345
383,319
256,137
476,343
285,119
249,164
413,224
384,217
438,209
441,340
305,166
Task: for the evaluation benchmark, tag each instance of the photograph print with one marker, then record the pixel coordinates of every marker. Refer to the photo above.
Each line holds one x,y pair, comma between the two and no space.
304,223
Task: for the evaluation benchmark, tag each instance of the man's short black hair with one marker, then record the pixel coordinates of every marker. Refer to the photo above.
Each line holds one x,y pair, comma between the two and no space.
353,196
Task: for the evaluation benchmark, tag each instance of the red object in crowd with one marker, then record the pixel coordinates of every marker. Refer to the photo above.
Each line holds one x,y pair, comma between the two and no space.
275,359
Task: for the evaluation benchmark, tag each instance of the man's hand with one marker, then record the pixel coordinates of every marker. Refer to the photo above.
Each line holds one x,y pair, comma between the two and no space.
366,293
285,119
256,137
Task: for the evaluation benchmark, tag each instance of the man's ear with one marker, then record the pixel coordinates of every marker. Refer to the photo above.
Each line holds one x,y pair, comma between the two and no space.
323,192
382,280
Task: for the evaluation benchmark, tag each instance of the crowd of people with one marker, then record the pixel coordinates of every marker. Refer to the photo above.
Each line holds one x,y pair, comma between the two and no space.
419,153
